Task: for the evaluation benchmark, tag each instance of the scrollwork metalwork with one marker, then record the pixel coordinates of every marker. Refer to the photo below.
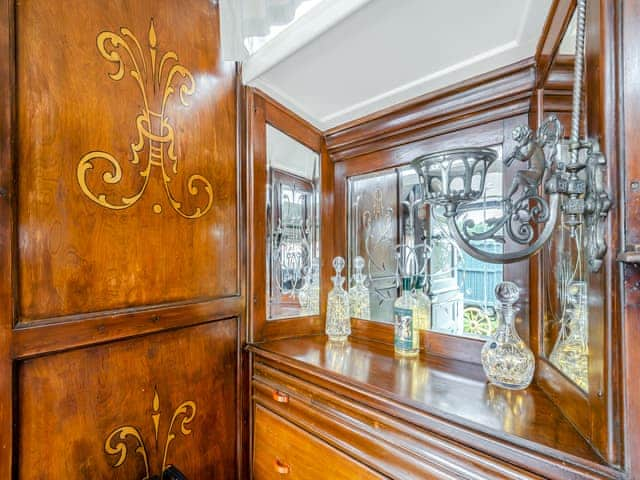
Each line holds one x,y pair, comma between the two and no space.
585,200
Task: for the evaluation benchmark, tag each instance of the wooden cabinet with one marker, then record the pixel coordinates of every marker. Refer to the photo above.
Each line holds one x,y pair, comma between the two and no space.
283,450
316,409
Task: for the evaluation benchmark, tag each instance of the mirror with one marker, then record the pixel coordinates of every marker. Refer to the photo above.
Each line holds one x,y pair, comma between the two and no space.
384,212
566,323
293,229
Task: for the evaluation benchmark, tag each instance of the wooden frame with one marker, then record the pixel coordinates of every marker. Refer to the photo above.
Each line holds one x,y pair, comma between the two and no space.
597,414
263,111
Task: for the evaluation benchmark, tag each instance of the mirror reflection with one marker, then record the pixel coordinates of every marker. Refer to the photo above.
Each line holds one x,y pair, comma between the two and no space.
397,235
566,326
293,284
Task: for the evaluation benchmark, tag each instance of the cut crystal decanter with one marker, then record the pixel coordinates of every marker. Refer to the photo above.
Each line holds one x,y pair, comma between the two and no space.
309,296
338,322
359,293
571,351
506,359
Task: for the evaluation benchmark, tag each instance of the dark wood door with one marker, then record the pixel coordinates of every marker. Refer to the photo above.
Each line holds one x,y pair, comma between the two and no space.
121,280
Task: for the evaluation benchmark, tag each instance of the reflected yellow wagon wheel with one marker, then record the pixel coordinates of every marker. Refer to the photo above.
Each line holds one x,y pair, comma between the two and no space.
477,322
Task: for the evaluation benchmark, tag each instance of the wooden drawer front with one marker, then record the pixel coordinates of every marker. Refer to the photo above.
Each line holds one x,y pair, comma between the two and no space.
282,450
394,448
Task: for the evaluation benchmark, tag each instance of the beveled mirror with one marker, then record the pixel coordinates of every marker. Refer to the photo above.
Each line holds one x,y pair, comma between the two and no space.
293,242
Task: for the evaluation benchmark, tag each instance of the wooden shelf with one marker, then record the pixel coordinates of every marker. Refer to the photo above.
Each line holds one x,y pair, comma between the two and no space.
451,390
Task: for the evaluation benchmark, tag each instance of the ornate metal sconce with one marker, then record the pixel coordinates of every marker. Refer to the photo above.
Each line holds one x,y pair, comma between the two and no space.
455,179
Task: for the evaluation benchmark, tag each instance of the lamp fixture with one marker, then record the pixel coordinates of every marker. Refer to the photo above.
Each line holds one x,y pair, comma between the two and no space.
574,186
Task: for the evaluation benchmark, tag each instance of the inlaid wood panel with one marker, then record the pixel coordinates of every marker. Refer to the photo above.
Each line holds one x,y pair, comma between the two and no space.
122,291
124,410
126,145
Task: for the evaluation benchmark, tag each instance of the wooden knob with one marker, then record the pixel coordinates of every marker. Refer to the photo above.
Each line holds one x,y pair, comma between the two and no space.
280,397
281,467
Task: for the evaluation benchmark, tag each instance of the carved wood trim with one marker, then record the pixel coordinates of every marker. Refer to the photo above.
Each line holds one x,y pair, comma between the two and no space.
500,94
262,110
44,339
556,24
7,234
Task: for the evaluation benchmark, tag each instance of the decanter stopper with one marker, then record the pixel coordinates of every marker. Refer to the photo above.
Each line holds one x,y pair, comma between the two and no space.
506,359
358,264
338,265
338,321
507,293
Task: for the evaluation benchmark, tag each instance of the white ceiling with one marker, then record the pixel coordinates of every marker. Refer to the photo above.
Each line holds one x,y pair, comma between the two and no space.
348,58
289,155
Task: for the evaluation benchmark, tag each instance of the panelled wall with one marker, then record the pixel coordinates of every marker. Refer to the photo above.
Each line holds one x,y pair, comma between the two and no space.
121,235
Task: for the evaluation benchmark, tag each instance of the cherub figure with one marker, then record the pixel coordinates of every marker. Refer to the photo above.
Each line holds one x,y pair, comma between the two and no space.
531,149
528,149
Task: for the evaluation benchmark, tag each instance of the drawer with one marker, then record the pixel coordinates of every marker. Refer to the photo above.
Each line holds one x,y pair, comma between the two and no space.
375,440
282,450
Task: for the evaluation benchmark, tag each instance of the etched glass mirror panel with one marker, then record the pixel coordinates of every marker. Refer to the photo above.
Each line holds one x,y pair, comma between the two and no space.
567,328
293,212
391,229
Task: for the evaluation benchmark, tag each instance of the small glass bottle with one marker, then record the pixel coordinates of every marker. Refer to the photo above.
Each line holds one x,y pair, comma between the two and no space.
359,306
338,322
406,336
506,359
422,309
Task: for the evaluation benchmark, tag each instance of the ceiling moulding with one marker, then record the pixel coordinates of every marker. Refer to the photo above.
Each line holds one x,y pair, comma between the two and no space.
499,94
304,30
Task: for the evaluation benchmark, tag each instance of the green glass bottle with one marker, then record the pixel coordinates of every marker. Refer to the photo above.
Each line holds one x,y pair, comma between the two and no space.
406,335
422,309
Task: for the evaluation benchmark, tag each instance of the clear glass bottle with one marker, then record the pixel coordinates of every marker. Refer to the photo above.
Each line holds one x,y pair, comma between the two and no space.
359,306
406,335
506,359
571,351
422,308
338,321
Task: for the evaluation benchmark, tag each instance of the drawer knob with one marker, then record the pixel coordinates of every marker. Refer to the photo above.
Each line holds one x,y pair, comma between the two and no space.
281,467
280,397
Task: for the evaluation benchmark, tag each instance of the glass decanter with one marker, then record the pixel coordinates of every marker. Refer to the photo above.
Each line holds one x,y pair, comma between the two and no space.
406,339
309,296
359,306
506,359
338,322
571,351
422,308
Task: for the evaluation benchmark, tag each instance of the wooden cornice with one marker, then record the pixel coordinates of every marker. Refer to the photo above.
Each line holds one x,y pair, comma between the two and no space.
492,96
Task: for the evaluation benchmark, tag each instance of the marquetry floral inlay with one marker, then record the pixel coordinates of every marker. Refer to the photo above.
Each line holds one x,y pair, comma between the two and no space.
119,441
158,78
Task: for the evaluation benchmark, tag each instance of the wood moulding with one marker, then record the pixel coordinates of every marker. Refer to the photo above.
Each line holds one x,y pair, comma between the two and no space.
496,95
